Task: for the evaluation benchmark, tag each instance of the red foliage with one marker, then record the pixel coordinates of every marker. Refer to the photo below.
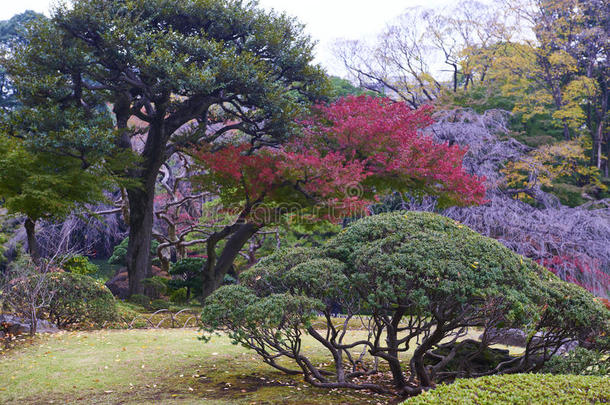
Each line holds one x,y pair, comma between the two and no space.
348,152
585,273
604,301
384,136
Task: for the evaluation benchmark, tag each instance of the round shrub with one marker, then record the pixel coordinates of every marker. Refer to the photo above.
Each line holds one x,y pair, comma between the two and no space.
79,299
579,361
155,286
519,389
80,265
178,296
424,279
119,254
156,305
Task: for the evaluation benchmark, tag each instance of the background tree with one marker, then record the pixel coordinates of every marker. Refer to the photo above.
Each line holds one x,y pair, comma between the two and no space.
25,289
174,73
43,185
177,210
404,60
579,237
12,33
571,63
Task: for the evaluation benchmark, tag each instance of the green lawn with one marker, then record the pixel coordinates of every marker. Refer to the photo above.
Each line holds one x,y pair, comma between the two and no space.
161,366
151,366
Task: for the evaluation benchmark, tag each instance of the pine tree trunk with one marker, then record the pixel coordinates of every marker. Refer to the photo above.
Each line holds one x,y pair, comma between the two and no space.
140,236
141,201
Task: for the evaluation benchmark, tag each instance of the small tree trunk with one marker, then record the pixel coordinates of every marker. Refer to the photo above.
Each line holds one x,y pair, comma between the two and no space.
165,258
180,252
598,144
215,270
566,131
393,361
33,320
418,367
607,160
33,248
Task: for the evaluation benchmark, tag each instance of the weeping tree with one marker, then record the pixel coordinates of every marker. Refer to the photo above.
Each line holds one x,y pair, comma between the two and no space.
574,242
174,73
422,280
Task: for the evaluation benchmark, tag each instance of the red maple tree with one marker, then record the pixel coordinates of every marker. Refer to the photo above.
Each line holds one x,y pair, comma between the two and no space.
345,155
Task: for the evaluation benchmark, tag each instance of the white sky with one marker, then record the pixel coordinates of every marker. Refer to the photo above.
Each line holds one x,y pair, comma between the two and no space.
325,20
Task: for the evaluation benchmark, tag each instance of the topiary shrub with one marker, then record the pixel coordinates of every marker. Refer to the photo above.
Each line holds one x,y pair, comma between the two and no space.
119,254
579,361
156,305
155,286
424,279
79,299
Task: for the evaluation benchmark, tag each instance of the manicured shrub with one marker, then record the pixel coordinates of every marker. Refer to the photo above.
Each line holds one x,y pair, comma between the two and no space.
519,389
424,279
156,305
187,273
79,299
178,296
155,286
80,265
119,254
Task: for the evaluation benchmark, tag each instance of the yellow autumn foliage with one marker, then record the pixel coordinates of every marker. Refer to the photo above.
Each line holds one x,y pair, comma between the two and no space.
564,161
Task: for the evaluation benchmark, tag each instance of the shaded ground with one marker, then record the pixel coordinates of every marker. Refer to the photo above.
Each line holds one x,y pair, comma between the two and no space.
151,366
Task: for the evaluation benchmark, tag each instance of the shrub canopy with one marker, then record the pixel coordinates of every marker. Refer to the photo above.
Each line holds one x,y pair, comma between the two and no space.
78,299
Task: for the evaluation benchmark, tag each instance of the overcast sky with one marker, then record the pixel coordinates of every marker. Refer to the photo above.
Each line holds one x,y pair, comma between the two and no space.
326,20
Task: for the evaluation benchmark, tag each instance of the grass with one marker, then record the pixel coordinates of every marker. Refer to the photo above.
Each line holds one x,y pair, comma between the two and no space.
168,366
152,366
541,389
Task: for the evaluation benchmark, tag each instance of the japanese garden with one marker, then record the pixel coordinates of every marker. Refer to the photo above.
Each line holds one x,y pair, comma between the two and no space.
202,201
